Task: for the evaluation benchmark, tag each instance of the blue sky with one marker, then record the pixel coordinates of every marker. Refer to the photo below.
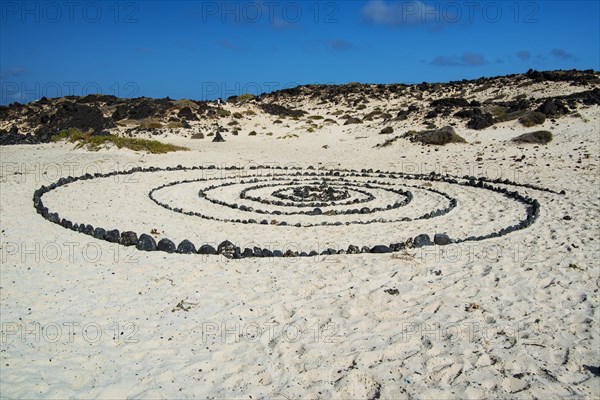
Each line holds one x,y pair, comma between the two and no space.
209,49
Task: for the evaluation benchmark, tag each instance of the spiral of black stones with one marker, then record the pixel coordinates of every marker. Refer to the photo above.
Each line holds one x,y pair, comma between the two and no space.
146,242
315,211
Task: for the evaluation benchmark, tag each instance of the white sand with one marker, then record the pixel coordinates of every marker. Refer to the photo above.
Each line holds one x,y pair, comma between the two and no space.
513,317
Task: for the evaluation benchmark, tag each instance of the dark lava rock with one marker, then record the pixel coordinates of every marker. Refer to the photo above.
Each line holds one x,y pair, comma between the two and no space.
166,245
218,138
112,236
228,249
441,239
207,249
381,249
276,109
481,121
187,114
431,114
450,102
129,238
146,243
12,138
553,107
99,233
70,115
353,249
422,240
88,230
186,247
267,253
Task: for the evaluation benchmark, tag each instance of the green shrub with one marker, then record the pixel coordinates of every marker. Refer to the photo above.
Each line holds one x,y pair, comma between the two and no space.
150,124
174,124
221,112
537,137
438,137
253,133
96,142
315,117
244,98
232,123
532,118
387,130
237,115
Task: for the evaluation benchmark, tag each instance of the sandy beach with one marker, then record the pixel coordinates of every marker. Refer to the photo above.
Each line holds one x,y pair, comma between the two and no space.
515,316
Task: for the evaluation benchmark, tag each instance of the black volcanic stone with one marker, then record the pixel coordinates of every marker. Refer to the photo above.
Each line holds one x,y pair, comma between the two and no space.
207,249
441,239
228,249
186,247
218,138
381,249
267,253
353,249
166,245
146,243
88,230
422,240
481,121
129,238
112,236
99,233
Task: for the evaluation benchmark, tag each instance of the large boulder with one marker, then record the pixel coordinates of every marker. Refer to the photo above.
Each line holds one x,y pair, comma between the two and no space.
481,121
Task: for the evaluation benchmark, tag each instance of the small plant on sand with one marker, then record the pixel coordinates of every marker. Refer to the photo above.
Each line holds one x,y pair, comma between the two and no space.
244,98
174,124
532,118
253,133
237,115
96,142
387,130
537,137
223,113
150,124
